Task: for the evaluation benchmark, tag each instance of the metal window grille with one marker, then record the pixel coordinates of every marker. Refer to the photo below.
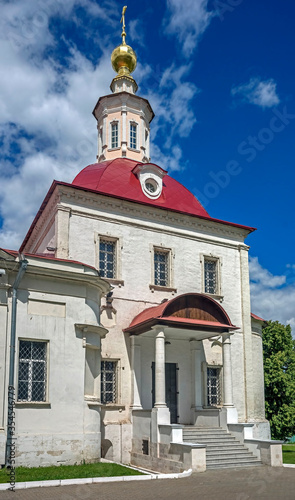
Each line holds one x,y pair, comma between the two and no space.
211,285
115,135
32,371
161,268
108,382
133,133
213,386
107,258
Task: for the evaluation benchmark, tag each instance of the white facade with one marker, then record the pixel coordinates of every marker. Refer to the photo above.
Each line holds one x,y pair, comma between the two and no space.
106,378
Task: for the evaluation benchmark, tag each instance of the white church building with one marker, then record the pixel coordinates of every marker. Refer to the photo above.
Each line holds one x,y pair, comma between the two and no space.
125,321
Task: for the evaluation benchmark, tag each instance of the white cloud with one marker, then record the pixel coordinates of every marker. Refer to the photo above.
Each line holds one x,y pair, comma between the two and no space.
172,104
271,297
136,31
258,92
188,19
47,129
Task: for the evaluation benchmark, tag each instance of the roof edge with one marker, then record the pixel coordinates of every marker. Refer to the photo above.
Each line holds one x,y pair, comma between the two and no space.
55,183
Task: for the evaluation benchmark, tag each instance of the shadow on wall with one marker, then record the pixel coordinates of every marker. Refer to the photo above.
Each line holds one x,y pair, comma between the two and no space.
107,449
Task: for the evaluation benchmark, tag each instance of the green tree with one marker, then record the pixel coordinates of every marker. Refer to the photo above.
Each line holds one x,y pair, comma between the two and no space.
279,377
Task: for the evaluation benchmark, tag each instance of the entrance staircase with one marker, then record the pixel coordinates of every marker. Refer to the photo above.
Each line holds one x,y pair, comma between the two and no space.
223,449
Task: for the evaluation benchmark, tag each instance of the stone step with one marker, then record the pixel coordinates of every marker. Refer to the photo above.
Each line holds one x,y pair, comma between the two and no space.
205,429
222,449
197,433
205,433
233,448
210,440
230,453
234,465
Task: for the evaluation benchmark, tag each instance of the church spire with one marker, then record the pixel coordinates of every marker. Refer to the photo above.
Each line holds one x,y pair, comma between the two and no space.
123,118
124,63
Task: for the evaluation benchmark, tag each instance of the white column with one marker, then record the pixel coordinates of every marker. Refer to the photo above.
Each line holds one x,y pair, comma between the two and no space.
142,135
227,372
104,129
196,346
124,131
160,397
148,145
136,372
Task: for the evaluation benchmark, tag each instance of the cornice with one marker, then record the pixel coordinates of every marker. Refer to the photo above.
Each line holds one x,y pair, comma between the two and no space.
68,275
142,215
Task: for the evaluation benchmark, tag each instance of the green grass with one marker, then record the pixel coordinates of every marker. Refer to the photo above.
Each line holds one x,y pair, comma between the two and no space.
67,472
289,453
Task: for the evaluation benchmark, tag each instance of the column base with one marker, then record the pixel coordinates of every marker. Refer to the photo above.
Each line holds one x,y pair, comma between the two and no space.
160,416
136,407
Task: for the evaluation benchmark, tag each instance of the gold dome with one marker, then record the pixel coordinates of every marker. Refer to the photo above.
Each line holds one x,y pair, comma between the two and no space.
124,59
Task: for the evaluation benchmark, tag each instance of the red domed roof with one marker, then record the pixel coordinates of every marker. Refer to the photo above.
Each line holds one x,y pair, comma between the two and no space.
115,178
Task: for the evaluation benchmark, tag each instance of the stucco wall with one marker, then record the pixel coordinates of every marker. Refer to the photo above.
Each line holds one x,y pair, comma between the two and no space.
65,428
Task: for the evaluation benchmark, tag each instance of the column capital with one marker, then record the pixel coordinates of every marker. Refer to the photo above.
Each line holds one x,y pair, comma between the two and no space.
226,337
159,331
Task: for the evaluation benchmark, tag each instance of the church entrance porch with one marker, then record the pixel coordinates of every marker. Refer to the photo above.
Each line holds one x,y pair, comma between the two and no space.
174,379
181,361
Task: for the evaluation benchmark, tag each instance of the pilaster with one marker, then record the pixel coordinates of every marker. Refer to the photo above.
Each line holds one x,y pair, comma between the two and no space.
62,222
136,372
196,346
247,333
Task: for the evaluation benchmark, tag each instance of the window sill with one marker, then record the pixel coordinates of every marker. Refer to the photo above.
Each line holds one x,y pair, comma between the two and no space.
158,288
134,150
114,149
33,404
114,281
216,407
215,296
113,406
91,401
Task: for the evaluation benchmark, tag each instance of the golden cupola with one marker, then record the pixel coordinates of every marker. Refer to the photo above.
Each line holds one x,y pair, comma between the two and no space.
124,63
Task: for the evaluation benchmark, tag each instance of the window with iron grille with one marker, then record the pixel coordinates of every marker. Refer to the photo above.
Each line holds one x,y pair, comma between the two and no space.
108,382
133,136
115,135
107,258
213,386
32,371
161,268
211,276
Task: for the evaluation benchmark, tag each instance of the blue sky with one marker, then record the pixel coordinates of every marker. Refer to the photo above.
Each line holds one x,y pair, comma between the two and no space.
220,77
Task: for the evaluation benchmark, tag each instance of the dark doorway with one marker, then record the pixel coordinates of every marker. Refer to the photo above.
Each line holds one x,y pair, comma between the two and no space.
171,389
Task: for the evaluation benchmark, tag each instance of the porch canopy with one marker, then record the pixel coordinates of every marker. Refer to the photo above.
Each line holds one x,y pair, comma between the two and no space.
193,317
190,311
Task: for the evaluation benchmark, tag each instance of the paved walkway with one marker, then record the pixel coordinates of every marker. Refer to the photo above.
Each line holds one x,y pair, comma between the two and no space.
261,483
